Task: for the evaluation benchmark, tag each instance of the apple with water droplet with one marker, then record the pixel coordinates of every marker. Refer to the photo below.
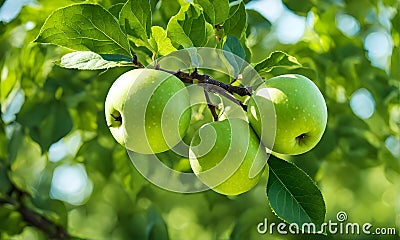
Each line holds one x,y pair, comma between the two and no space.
147,110
288,113
227,156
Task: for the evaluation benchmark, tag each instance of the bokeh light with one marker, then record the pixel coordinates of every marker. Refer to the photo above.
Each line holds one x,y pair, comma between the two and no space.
67,146
347,24
10,9
379,47
272,12
70,183
362,103
393,144
12,105
287,26
290,28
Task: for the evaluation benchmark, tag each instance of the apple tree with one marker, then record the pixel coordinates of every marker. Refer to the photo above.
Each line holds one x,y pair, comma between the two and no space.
174,119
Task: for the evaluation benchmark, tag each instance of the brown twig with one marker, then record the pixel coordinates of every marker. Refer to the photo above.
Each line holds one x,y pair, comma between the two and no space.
136,62
211,106
17,200
204,78
50,228
211,85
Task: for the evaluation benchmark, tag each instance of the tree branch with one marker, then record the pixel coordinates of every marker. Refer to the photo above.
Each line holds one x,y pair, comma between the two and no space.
226,90
215,86
32,218
204,78
50,228
233,99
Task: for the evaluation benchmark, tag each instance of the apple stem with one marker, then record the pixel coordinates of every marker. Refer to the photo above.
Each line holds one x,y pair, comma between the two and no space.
211,106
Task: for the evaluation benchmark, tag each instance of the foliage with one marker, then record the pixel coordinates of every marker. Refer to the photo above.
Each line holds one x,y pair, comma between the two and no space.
53,117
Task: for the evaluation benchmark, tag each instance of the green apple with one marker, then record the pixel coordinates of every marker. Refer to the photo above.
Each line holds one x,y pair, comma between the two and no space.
227,156
289,114
147,110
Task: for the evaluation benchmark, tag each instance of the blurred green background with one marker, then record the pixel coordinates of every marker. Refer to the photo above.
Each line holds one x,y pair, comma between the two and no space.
58,159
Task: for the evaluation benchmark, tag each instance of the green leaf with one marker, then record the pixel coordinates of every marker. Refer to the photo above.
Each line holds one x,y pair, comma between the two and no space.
9,64
232,46
116,9
293,195
15,142
281,70
5,184
27,168
85,27
276,59
258,26
169,8
215,11
86,60
396,29
159,41
156,227
3,141
135,17
257,20
14,224
47,121
236,23
299,7
248,53
395,63
96,157
188,27
51,208
83,112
